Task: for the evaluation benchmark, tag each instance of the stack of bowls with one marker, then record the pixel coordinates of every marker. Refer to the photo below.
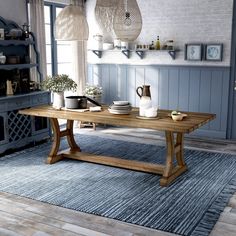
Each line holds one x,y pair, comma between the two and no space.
120,108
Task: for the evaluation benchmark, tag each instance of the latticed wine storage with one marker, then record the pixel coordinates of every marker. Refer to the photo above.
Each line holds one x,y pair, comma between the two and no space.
19,126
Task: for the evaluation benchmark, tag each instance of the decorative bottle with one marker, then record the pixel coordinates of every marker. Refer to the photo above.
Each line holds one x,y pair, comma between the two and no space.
152,47
158,45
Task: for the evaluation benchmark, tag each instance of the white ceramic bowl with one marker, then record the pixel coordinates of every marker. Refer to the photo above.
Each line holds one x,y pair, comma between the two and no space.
108,46
178,117
151,112
121,103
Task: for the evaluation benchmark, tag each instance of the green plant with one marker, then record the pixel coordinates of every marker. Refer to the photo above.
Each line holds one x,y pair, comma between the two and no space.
91,90
59,83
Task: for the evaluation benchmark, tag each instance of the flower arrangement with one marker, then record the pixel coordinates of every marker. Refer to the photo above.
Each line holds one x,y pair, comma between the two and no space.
59,83
92,90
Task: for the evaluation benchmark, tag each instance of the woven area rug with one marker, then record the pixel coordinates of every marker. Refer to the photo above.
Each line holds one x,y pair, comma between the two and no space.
190,206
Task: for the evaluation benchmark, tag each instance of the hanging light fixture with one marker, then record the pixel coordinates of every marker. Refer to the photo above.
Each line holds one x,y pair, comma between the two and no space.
71,24
127,21
104,13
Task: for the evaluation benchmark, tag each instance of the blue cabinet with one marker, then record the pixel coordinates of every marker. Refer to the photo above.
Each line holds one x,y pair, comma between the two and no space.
18,130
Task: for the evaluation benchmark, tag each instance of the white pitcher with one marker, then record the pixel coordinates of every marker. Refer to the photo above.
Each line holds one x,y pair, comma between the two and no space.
144,104
145,98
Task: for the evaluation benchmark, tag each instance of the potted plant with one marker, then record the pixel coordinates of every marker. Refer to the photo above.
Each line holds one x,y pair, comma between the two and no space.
93,91
58,84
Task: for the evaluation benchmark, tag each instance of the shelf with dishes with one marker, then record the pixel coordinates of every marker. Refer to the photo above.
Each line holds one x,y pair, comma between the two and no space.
14,42
16,66
140,52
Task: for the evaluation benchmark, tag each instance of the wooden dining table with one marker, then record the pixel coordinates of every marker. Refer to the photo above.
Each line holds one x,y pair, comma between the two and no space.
174,131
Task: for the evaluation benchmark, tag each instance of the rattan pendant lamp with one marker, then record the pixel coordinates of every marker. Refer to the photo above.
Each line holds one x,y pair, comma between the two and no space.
104,13
71,23
127,21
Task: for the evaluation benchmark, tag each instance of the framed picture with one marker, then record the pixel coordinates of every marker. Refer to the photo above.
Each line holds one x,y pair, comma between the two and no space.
214,52
193,52
1,34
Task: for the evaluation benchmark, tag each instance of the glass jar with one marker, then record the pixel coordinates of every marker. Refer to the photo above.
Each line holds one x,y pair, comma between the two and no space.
170,45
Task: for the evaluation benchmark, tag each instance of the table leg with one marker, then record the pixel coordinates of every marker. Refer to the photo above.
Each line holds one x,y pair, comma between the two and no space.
70,136
54,156
180,154
174,150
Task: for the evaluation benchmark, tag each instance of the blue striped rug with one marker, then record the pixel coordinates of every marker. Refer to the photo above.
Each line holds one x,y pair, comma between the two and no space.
190,206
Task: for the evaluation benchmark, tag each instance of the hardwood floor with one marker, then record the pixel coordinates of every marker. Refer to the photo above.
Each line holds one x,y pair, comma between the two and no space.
22,216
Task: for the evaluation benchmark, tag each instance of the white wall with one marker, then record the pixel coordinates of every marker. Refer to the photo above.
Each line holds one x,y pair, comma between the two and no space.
13,10
184,21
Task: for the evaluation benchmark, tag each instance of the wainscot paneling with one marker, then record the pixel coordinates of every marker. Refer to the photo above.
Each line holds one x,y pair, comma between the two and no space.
200,89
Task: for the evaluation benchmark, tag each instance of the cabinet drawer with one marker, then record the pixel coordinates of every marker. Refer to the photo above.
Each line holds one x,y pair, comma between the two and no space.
18,103
40,99
3,106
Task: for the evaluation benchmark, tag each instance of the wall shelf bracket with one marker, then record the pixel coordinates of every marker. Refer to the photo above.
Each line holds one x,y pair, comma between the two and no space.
98,53
140,53
126,53
172,54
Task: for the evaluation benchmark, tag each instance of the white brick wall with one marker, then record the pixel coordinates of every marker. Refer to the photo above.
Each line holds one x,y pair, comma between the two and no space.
185,21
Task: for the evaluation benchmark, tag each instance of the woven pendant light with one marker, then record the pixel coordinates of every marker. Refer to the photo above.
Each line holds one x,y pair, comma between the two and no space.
104,13
127,22
71,24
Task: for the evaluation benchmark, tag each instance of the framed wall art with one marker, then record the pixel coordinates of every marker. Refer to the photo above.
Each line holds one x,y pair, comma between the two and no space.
193,52
214,52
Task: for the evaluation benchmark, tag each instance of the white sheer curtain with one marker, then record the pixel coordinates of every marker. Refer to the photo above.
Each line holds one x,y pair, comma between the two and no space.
79,52
37,26
79,64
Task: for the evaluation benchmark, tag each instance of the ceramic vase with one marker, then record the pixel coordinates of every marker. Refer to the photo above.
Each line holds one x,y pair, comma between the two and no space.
58,100
9,88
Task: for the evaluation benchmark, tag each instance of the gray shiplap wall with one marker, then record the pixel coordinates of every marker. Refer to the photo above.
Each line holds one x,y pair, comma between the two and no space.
200,89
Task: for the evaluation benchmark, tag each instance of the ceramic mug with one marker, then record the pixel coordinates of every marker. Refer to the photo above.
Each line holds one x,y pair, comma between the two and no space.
117,43
2,59
98,42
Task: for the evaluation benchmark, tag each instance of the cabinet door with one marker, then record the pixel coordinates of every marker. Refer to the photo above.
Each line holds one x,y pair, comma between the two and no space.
3,129
40,124
19,126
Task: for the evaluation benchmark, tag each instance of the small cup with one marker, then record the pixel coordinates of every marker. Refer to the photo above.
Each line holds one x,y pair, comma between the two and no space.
117,43
124,45
178,117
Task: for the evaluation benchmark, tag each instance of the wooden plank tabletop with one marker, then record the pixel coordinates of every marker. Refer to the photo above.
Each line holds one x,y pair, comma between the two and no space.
164,122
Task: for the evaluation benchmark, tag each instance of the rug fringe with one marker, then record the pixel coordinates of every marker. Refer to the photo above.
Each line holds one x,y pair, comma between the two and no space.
212,215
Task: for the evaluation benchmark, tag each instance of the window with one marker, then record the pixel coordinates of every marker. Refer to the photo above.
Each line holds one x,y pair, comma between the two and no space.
59,53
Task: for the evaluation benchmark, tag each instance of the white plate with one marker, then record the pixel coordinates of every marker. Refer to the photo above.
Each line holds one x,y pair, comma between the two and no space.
147,118
116,107
119,112
121,103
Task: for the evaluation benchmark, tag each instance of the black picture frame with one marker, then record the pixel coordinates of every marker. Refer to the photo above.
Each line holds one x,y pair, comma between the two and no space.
214,52
193,52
